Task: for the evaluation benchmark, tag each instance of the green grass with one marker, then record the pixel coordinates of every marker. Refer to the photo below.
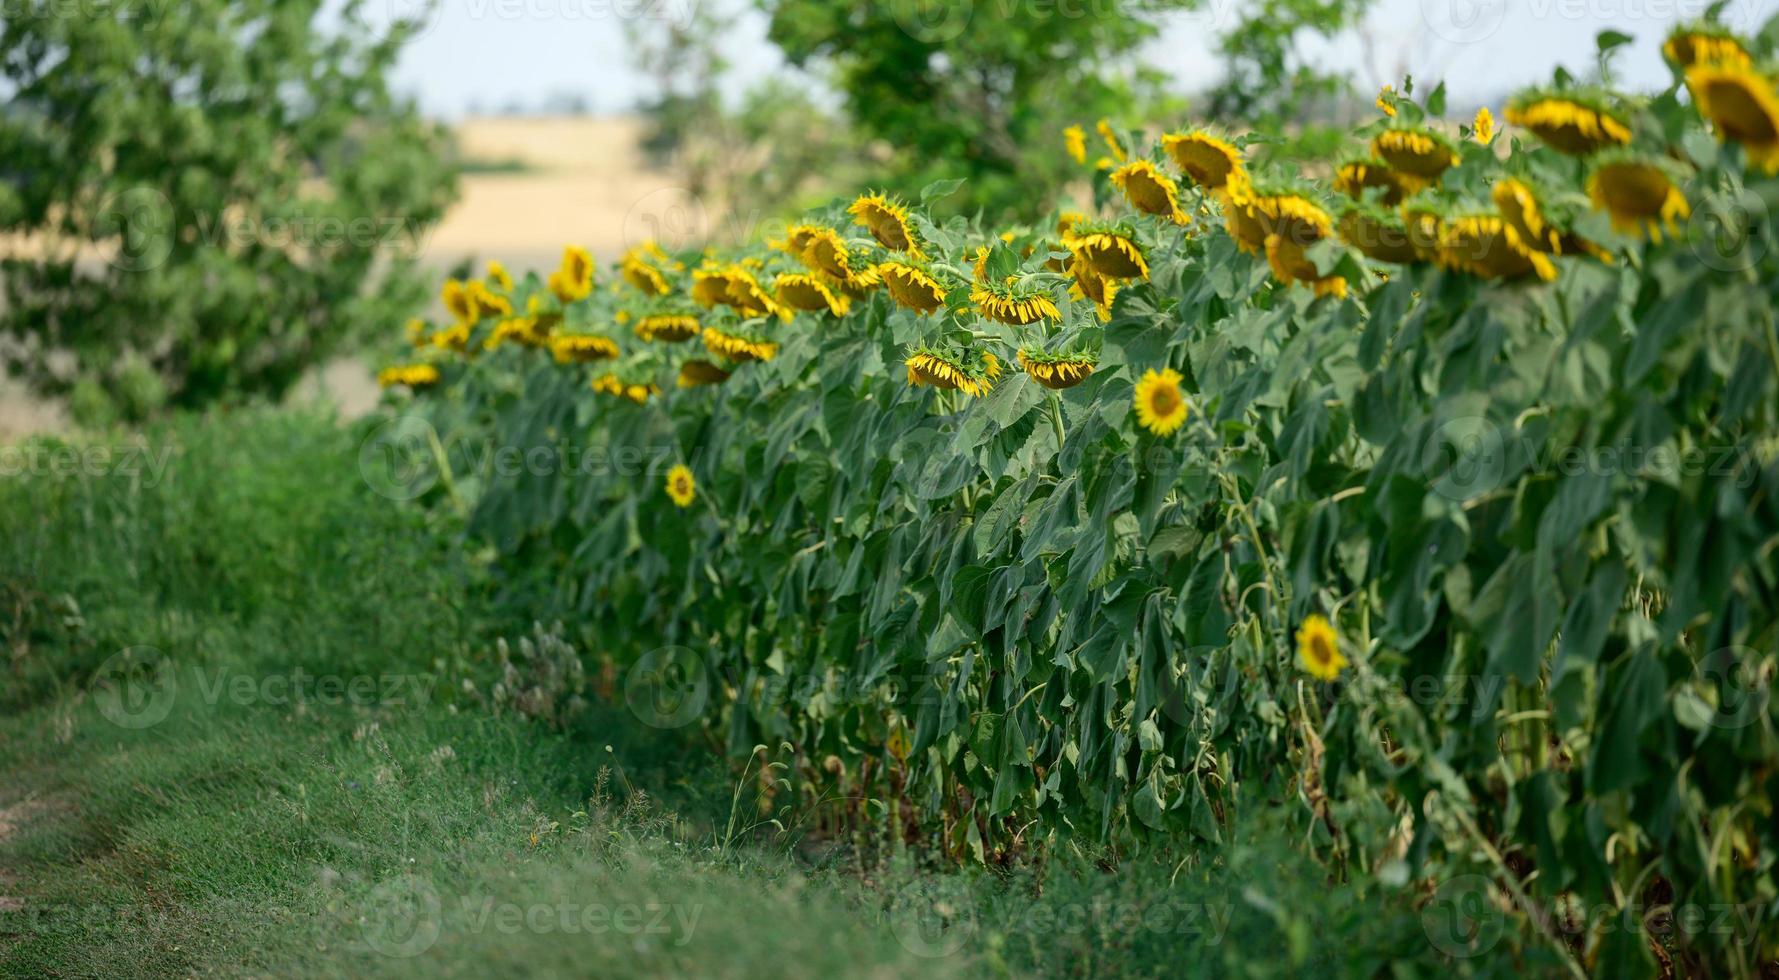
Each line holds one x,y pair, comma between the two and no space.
409,828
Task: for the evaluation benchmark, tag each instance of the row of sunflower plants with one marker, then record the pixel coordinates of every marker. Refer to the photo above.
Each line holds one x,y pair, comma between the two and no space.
1433,504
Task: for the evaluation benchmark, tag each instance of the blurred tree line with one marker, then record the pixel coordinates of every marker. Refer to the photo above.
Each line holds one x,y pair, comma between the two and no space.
980,89
200,200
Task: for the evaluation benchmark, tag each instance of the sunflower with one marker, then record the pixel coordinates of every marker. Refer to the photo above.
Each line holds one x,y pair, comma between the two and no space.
1569,123
645,277
1149,190
1074,140
1056,371
858,285
1243,221
1090,285
1111,253
697,372
411,375
1386,101
1110,136
1704,44
1213,164
459,301
573,280
1377,233
1292,215
498,275
1482,128
1639,194
454,337
611,384
668,328
1319,649
802,291
1354,177
1290,264
1487,247
1013,305
1519,205
522,329
1160,405
887,220
582,348
736,347
822,249
953,372
487,301
1742,107
911,287
1415,151
416,331
745,294
608,384
680,485
1425,223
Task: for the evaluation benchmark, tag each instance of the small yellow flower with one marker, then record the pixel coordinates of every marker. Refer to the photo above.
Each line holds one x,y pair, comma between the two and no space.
1160,406
1107,133
1319,649
1386,101
1074,139
1483,128
680,485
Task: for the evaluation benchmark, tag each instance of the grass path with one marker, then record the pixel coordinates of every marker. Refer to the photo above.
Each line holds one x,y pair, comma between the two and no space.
245,728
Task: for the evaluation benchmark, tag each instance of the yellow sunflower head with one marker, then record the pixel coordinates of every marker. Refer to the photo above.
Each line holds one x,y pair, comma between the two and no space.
1149,190
802,291
1110,251
1319,649
1386,101
911,286
1214,164
1640,194
1110,136
1486,246
697,372
1092,286
1010,303
1160,405
667,328
1704,44
1291,264
681,488
1482,128
1575,123
1056,370
887,221
1416,151
736,346
498,275
1074,140
408,375
1355,177
459,301
416,330
582,348
1742,106
573,280
972,374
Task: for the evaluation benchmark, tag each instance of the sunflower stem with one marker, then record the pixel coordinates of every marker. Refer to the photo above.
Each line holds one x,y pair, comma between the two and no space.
1056,419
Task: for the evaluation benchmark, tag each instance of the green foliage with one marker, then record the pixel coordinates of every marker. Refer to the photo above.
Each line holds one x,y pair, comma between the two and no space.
218,193
1541,517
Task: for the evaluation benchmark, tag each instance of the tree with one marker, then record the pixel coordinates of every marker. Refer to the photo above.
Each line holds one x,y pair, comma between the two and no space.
213,194
977,90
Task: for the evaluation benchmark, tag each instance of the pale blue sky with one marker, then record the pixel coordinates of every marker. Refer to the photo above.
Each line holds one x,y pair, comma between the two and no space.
493,53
